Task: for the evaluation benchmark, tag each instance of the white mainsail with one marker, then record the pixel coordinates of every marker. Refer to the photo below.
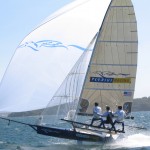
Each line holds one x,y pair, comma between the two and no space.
111,73
44,58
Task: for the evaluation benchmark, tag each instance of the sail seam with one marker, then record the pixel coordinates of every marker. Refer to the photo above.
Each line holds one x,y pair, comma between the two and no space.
121,6
134,65
119,22
109,89
119,41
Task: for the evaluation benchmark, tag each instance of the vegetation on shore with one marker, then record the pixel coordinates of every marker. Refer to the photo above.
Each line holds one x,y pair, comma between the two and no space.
139,104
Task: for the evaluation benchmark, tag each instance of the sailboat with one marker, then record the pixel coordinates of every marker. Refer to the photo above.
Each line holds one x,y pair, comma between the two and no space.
104,73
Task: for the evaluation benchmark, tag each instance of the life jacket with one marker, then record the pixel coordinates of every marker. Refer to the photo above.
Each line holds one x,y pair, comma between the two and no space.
109,118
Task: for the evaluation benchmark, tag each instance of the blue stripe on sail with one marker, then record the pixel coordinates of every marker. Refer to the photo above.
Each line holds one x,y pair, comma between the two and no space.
101,79
79,47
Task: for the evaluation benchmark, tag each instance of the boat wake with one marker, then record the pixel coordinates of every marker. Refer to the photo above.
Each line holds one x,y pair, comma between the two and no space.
137,140
134,141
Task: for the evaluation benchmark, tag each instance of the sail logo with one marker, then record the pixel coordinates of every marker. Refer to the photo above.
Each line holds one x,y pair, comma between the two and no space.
99,79
110,80
105,74
110,77
48,44
122,80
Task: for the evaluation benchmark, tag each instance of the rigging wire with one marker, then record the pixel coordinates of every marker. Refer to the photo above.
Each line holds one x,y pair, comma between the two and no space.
68,85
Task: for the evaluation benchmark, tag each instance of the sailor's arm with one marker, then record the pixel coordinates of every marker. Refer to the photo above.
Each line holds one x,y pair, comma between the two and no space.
104,114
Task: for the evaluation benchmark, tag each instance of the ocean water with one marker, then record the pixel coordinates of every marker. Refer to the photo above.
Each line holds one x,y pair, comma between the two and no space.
20,137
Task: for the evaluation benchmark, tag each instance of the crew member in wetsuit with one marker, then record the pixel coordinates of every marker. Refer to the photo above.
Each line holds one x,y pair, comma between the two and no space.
108,114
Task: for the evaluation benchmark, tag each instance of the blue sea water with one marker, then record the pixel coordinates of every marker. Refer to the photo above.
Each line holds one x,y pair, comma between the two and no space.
20,137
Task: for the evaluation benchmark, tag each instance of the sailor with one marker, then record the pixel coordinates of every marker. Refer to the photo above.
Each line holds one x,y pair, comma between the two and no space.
108,114
120,114
96,113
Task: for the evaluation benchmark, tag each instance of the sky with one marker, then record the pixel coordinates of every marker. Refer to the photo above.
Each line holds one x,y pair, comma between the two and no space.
19,17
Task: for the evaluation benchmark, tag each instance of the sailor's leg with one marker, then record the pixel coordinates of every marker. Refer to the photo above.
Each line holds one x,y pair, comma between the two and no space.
101,120
92,121
102,123
122,126
113,126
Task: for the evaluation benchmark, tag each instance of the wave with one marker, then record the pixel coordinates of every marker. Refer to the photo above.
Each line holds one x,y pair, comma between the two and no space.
134,142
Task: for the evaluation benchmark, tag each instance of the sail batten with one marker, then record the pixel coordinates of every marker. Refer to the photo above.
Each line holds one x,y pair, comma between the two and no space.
118,41
108,89
134,65
120,22
121,6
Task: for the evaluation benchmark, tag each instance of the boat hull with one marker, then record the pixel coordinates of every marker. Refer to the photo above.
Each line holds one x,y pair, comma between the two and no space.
76,134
